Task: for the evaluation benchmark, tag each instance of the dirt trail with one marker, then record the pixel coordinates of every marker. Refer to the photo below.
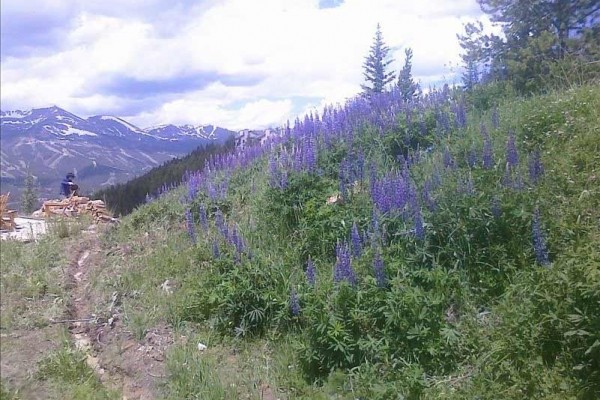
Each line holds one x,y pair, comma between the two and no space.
135,367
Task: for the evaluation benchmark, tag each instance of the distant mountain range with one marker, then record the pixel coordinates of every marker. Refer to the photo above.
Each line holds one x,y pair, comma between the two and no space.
101,150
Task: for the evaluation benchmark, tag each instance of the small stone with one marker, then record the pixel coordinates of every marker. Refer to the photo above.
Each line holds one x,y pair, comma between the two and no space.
166,287
201,346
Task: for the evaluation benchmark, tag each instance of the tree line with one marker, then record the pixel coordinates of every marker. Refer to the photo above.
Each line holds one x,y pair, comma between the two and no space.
544,43
123,198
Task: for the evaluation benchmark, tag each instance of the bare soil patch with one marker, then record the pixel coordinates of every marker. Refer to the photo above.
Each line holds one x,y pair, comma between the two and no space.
135,367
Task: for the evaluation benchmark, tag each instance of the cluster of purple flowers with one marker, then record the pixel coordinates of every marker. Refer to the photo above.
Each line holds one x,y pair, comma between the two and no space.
203,217
448,159
220,224
539,240
512,155
193,186
488,151
393,192
217,190
294,303
472,157
278,177
356,241
189,221
343,270
215,249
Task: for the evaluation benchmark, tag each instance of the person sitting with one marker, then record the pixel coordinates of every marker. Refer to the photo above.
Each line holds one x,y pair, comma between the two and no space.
67,187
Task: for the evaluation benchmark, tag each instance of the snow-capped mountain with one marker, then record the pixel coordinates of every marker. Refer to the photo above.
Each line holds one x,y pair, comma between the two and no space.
104,149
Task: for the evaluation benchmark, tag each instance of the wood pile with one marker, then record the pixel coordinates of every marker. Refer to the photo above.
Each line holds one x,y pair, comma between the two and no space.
77,205
7,217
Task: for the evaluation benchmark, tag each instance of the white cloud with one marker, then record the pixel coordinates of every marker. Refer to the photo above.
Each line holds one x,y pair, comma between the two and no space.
301,51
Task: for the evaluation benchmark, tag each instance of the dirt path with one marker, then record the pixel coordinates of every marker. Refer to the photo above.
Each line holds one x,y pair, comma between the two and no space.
135,367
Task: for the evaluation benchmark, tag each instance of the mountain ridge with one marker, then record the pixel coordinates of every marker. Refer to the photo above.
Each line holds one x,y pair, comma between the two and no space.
49,141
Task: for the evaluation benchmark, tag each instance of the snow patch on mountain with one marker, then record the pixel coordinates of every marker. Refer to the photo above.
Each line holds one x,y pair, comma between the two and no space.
80,132
121,121
15,114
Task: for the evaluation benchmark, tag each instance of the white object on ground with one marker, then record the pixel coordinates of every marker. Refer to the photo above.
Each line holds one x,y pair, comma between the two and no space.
201,346
27,229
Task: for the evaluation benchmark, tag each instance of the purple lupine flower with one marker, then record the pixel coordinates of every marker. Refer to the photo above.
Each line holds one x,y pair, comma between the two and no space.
460,113
419,227
488,151
212,191
472,158
189,220
310,272
495,118
468,186
448,160
539,240
379,270
215,249
193,186
220,224
236,240
294,303
283,180
496,208
203,218
311,156
356,241
375,224
343,267
512,156
360,167
536,169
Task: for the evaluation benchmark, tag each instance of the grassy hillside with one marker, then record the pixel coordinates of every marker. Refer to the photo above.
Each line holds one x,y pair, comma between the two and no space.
458,256
437,250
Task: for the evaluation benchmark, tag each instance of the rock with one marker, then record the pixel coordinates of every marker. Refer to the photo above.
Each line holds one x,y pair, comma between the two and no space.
166,287
201,346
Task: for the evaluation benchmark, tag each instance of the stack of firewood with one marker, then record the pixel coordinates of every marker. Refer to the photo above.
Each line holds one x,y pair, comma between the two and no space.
77,205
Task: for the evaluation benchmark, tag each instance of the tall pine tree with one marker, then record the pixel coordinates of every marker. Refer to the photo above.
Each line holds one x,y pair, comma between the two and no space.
407,86
537,36
29,198
375,66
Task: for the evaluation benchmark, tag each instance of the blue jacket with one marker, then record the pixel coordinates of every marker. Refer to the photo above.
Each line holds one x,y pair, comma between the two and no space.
65,187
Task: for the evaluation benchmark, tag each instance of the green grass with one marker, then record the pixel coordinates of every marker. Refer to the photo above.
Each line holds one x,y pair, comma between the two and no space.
31,283
71,377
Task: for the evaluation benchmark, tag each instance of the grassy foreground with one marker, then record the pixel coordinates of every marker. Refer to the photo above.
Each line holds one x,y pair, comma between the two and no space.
381,250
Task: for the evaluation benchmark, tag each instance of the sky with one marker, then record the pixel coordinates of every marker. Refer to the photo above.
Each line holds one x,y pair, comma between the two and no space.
234,63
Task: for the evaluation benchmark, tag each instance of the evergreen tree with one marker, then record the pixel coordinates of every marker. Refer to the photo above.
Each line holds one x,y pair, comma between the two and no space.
537,34
29,198
471,75
407,86
375,66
